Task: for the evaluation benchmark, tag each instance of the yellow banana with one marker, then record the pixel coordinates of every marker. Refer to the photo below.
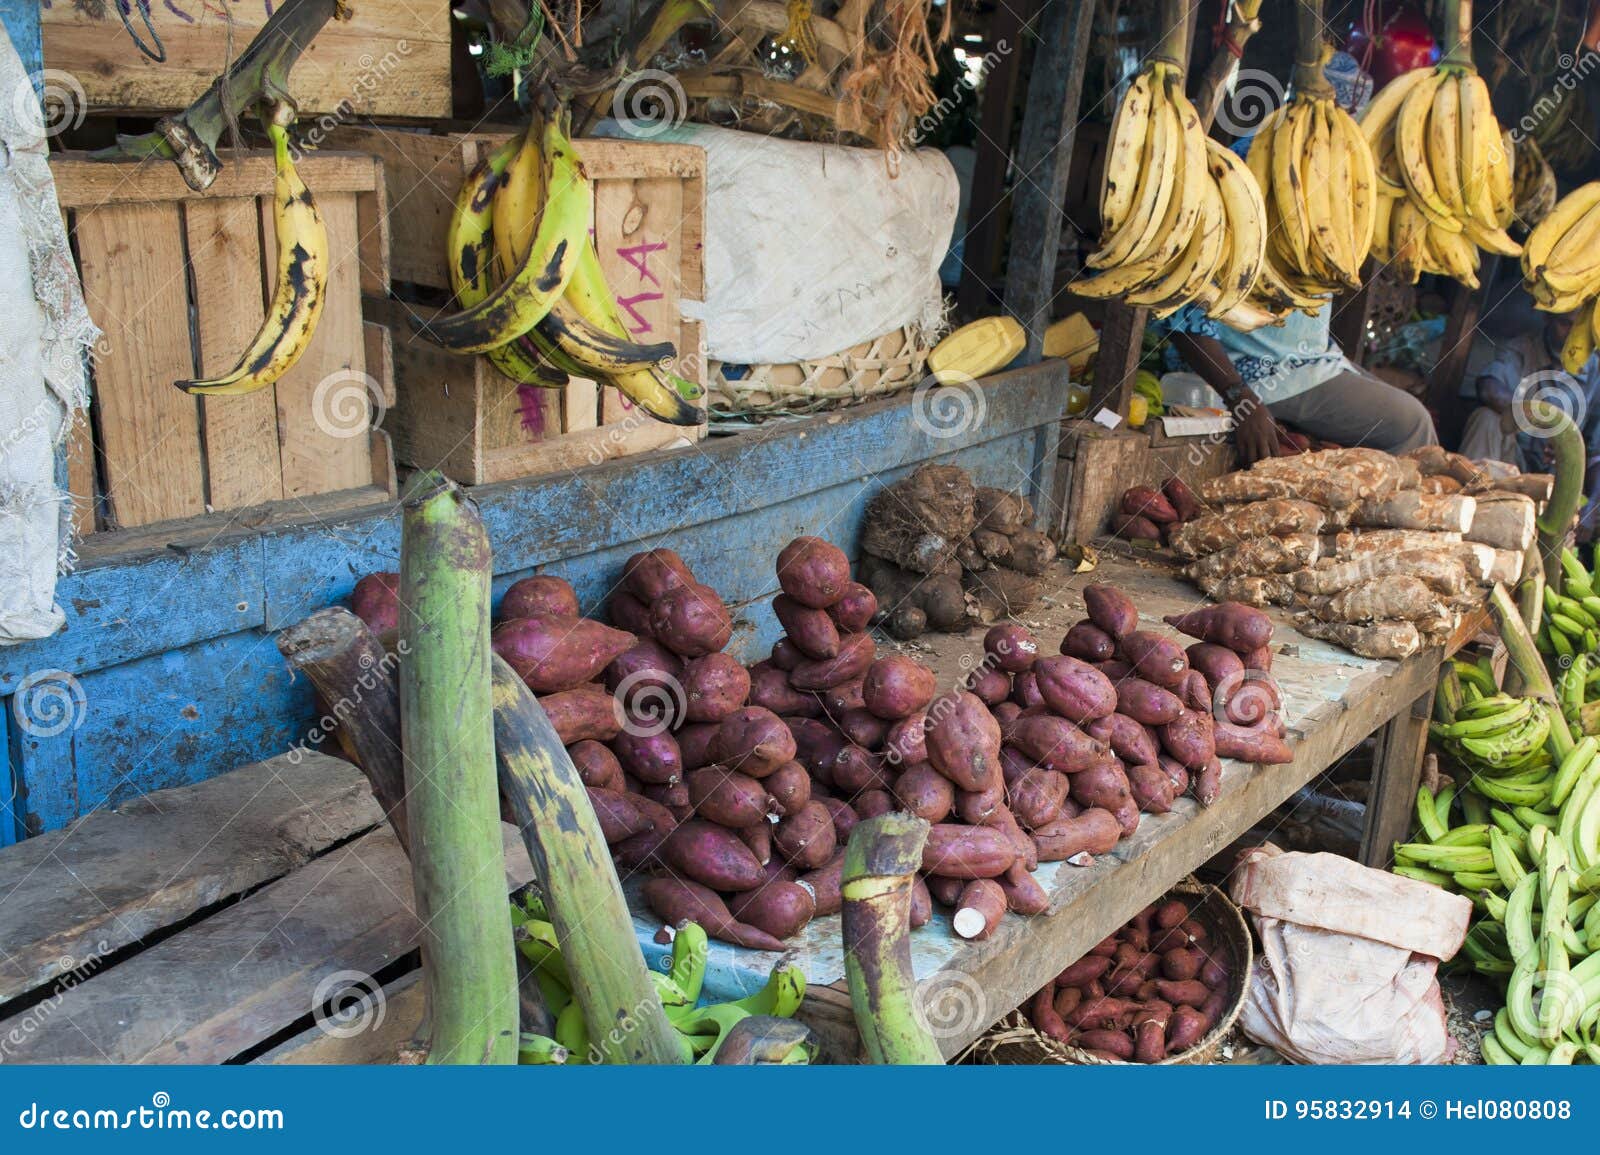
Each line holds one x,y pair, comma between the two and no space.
1129,128
1383,219
1569,210
1493,238
1183,211
1455,254
1444,145
1246,215
1378,118
1594,329
1411,146
1288,182
518,198
1503,178
1573,264
1480,137
303,264
1334,201
1157,179
1183,279
1363,183
1580,342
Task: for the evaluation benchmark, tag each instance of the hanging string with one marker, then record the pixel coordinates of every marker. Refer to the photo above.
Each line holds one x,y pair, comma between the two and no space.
124,10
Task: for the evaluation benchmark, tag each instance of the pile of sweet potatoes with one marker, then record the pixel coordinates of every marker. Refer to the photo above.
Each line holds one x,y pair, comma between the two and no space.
1148,514
1154,988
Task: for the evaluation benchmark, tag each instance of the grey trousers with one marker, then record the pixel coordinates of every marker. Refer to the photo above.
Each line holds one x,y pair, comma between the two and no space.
1354,409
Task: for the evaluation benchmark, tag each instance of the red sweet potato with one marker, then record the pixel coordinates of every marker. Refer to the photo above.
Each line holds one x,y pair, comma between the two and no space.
1150,1032
759,839
977,807
1251,699
655,573
691,621
921,902
855,609
769,687
1152,789
813,572
676,901
843,816
597,766
857,769
1213,971
1025,690
1146,501
811,630
674,796
779,908
896,686
1074,689
1024,894
540,594
817,746
552,652
619,817
376,601
836,699
806,839
1111,609
963,741
627,612
1090,966
1155,658
694,744
1010,647
1181,963
1195,691
785,654
753,740
1042,1014
1035,798
711,855
1054,743
1259,659
1005,713
1187,993
1103,785
1184,1030
1147,703
649,755
789,787
824,883
646,670
1190,738
967,851
1067,1000
1240,627
1088,642
1132,527
854,658
728,798
946,891
923,791
1129,740
872,803
979,909
1177,773
1169,914
1218,663
991,687
1115,669
907,741
1106,1042
1257,745
1105,1012
586,712
1184,502
714,686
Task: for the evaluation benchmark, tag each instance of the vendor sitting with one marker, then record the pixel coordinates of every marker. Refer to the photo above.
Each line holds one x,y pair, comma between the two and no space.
1294,372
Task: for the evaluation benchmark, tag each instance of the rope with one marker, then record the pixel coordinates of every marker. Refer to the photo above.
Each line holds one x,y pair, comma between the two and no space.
124,10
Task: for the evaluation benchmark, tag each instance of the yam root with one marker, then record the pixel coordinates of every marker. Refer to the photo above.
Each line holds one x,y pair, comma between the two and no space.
1379,640
1275,518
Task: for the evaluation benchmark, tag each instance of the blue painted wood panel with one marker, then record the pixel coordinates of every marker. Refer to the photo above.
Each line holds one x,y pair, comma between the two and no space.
21,20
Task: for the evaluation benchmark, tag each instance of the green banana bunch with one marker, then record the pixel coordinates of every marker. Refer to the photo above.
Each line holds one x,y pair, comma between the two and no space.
302,282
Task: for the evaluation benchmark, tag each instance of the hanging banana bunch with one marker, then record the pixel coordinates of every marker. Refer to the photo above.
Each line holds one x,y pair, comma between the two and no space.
533,296
1441,153
1561,269
1181,218
302,282
1320,181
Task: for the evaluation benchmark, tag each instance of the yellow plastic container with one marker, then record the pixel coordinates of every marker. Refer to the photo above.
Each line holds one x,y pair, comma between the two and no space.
976,350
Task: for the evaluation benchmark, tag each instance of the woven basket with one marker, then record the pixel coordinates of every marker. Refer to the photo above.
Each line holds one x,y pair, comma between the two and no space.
1014,1042
864,372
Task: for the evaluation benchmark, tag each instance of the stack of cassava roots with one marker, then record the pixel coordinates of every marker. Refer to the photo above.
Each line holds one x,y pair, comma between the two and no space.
734,788
1380,554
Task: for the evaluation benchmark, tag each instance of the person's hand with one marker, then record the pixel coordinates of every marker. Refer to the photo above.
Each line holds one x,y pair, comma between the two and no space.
1254,432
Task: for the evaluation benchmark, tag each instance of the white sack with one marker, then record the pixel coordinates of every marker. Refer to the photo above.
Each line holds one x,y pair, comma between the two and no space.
813,248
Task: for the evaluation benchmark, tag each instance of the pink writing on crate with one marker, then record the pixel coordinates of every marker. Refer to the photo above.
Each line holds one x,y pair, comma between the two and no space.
637,257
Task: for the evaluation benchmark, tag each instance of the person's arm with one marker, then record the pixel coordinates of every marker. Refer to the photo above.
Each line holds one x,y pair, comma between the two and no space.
1254,431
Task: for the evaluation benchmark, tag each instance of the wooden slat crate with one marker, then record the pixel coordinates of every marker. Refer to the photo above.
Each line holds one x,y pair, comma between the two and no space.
392,58
460,414
179,281
1097,464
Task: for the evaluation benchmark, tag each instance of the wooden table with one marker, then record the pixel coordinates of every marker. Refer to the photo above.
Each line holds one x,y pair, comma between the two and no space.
204,923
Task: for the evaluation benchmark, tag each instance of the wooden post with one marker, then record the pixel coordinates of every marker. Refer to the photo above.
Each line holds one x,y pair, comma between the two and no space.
1444,383
1044,154
1121,344
985,218
1396,774
447,724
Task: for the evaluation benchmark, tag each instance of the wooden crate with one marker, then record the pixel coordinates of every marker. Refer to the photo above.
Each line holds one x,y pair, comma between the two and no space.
1097,464
178,281
460,414
392,58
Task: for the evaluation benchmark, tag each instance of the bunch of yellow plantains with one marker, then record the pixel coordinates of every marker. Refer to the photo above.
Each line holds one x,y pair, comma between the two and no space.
1445,169
1181,219
1561,268
703,1031
526,214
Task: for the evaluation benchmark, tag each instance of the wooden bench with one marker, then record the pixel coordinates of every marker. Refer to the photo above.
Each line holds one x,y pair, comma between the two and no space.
216,922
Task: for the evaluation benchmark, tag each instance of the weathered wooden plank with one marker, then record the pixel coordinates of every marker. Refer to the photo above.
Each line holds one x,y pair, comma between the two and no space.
10,811
120,874
169,719
241,432
396,1015
237,978
85,184
1396,774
